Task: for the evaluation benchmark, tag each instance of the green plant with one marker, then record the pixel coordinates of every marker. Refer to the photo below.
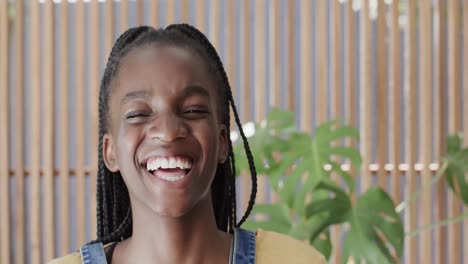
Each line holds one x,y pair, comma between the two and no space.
300,170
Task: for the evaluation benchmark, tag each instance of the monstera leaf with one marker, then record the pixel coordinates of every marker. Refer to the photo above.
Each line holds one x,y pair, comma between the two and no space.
335,208
375,229
457,167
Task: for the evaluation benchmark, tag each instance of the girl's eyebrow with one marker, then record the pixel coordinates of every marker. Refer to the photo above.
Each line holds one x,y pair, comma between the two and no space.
140,94
191,90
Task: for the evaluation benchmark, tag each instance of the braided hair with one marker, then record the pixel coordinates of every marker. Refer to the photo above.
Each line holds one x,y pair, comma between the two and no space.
114,215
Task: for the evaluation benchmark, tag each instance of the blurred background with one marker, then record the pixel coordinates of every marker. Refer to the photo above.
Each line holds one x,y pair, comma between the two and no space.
396,70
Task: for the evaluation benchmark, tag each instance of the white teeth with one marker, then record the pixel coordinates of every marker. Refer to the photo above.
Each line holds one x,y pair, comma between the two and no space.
172,162
168,163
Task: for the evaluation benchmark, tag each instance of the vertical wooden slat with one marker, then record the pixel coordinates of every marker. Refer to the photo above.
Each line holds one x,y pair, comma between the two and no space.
410,124
123,15
215,21
48,125
306,66
93,104
79,98
19,134
140,11
260,80
35,148
395,100
231,46
5,248
200,15
153,13
246,85
321,66
260,72
109,22
382,88
365,94
440,253
231,53
291,56
335,59
425,82
64,140
246,62
171,12
275,53
350,58
454,109
185,7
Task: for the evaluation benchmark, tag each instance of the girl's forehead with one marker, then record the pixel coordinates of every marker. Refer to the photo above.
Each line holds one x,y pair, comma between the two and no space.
162,66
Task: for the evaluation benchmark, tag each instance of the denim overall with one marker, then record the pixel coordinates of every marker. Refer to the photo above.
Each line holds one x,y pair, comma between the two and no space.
244,249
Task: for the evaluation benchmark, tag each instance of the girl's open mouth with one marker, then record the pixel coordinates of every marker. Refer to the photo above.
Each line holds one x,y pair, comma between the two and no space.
169,168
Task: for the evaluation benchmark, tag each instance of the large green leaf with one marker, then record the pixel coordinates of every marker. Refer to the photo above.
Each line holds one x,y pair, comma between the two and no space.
335,208
375,229
457,160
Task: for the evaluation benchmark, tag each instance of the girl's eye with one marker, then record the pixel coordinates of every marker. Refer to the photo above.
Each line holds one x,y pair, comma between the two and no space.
195,112
133,115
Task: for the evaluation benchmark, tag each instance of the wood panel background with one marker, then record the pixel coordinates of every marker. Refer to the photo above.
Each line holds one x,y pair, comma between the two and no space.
397,70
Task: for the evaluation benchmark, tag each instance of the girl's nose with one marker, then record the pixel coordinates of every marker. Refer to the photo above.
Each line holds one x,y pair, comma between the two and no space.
167,128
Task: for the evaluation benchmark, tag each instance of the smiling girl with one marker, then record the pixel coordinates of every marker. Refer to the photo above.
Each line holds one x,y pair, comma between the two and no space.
166,180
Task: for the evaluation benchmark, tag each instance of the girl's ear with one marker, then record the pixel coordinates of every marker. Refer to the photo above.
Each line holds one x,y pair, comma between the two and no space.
108,153
223,144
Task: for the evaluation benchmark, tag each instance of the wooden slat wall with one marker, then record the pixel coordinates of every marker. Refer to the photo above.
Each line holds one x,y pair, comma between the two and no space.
365,93
395,99
381,94
321,65
254,33
410,124
5,256
291,29
440,118
48,85
19,135
454,93
425,142
306,66
80,120
35,149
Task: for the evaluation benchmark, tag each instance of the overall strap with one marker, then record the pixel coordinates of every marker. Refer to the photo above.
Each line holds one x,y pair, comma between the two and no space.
93,254
244,246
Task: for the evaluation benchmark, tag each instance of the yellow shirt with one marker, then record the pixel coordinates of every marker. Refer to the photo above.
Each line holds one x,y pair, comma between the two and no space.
271,248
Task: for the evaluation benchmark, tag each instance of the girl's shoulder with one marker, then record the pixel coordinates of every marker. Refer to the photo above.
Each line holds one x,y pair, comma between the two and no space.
275,248
75,258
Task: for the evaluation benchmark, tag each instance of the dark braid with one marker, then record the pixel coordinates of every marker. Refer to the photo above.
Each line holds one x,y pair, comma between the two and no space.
114,217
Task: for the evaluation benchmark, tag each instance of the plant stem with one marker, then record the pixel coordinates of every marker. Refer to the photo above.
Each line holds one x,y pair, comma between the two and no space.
438,224
416,195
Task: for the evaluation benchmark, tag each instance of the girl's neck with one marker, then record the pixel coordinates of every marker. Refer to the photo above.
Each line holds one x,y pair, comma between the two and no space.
192,238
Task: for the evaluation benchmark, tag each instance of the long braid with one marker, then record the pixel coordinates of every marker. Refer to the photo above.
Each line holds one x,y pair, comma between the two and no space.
196,34
103,207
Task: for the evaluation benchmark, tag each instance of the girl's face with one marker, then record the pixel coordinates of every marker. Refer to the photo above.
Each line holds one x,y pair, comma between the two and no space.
165,135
